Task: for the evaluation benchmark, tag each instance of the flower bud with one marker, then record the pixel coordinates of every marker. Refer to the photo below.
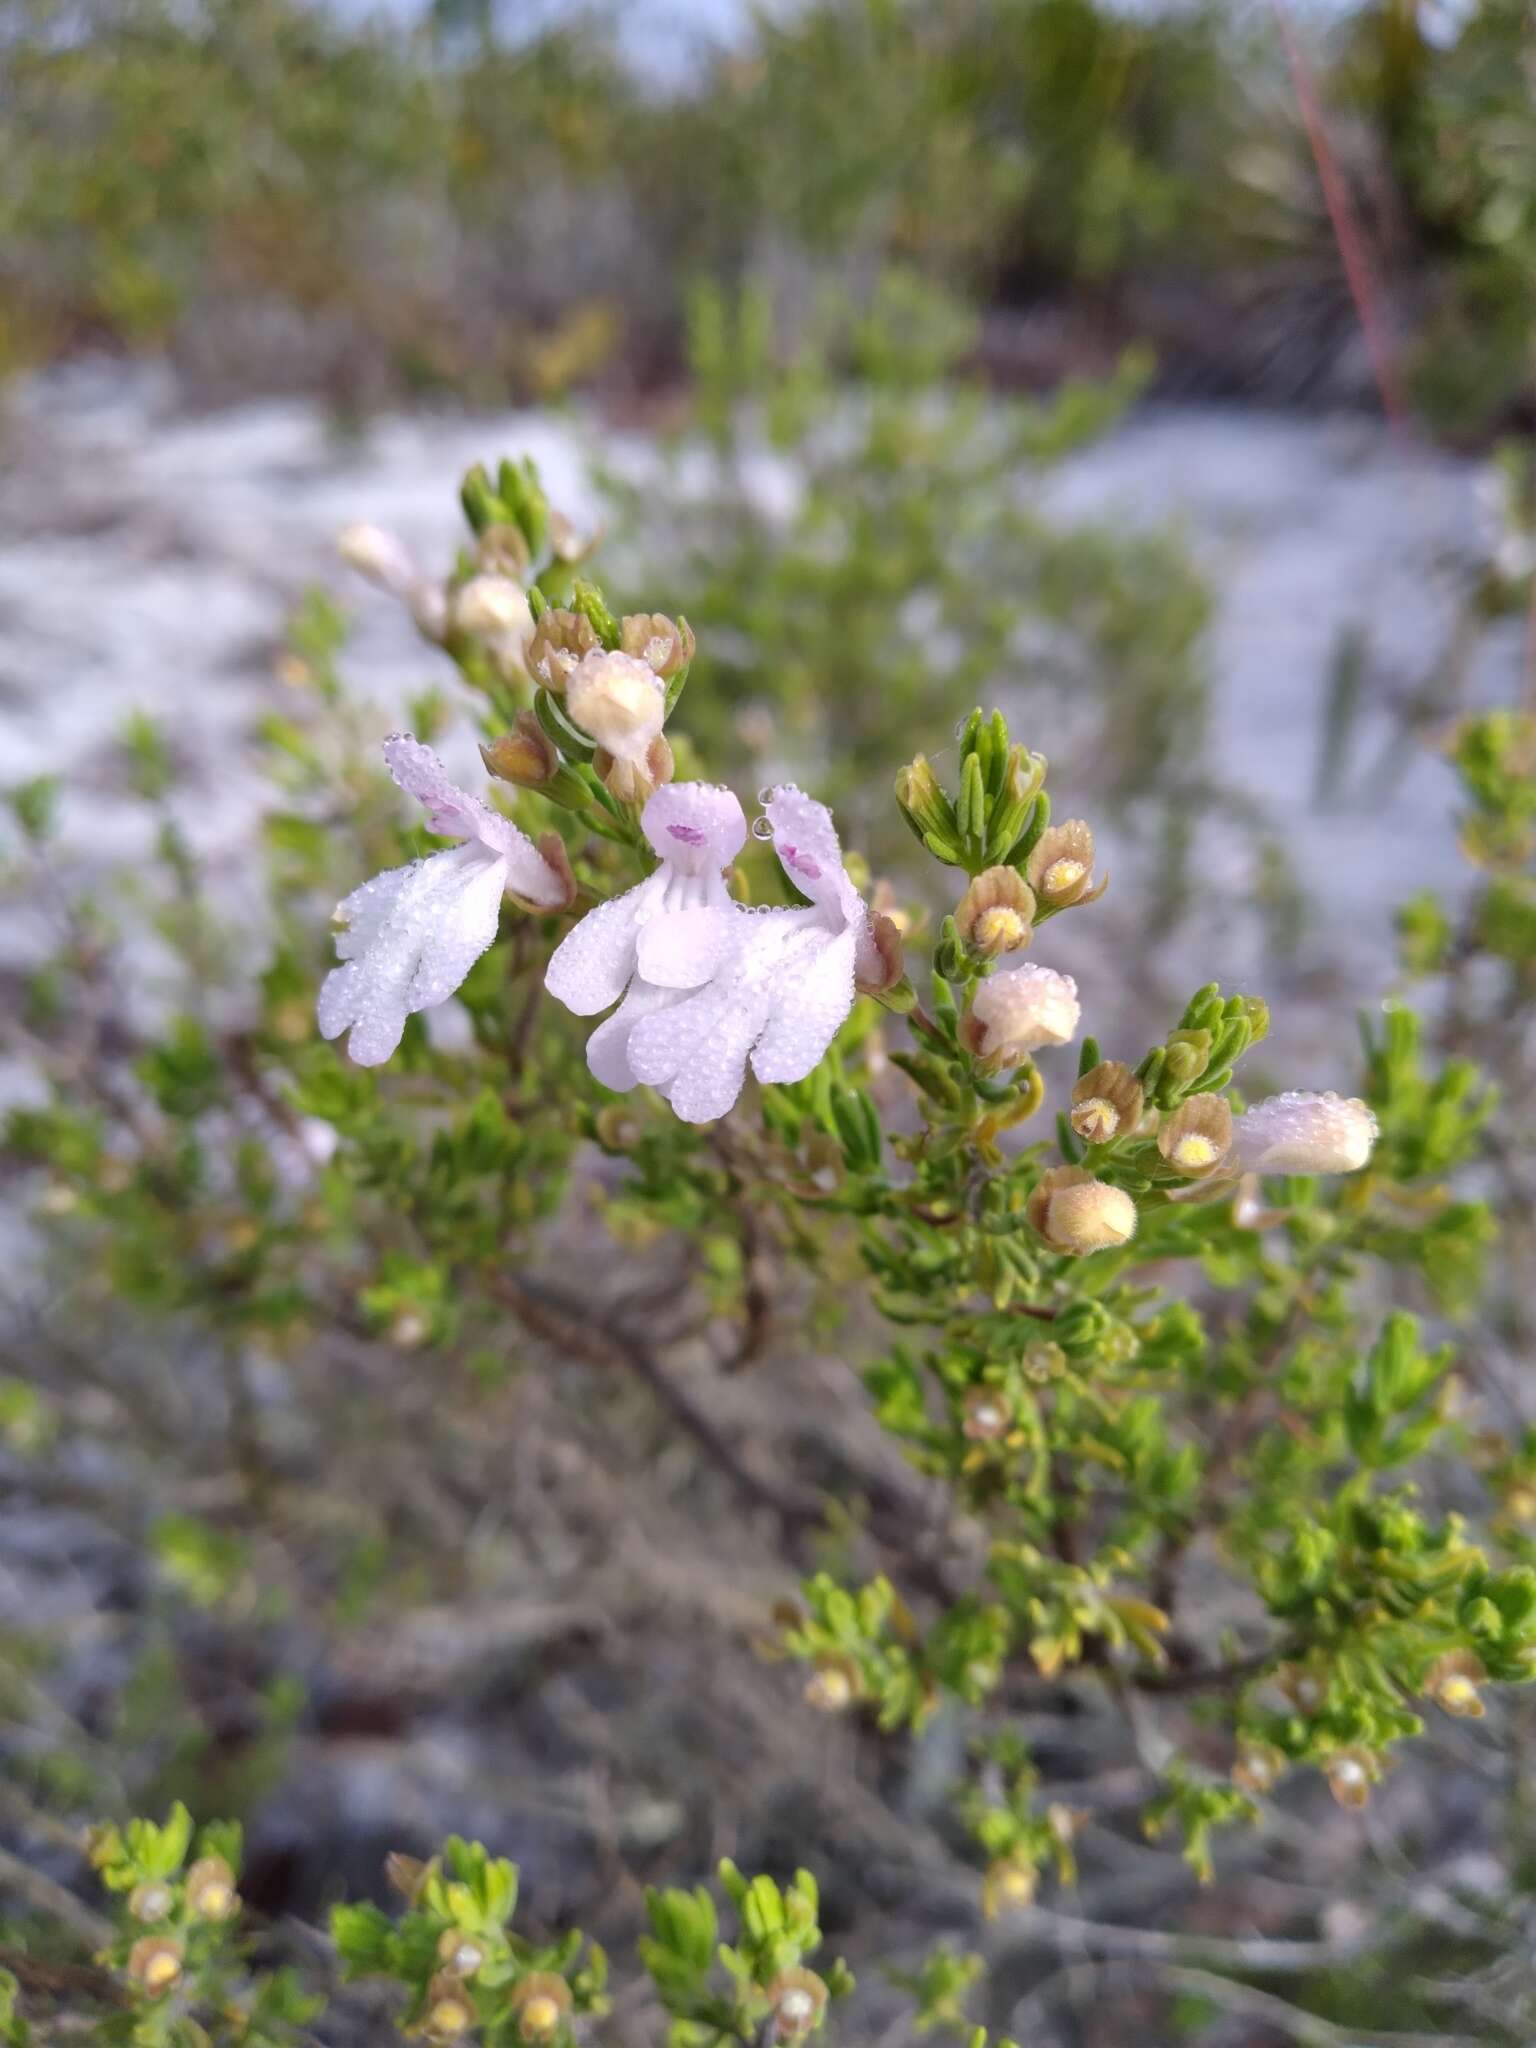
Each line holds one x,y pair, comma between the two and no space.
1257,1767
997,913
987,1415
1008,1887
489,607
617,701
560,641
1351,1773
927,809
1043,1362
1060,869
1305,1687
1198,1136
494,612
833,1685
798,1998
890,953
1186,1056
459,1952
1299,1132
408,1874
541,2001
502,550
1077,1214
449,2010
663,644
155,1963
211,1893
151,1901
382,557
1106,1103
526,756
1452,1682
1017,1011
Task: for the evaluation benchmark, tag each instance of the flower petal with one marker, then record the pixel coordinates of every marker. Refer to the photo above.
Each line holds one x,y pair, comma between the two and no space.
812,996
684,948
696,1051
440,916
456,814
593,962
695,827
805,839
608,1047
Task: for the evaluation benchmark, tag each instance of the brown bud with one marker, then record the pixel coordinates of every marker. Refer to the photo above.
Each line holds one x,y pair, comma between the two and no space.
1257,1767
987,1415
663,644
152,1901
459,1952
502,550
211,1893
561,641
1304,1685
1198,1136
526,756
798,1998
1106,1103
552,847
449,2010
635,781
885,938
833,1685
408,1875
1452,1682
541,2001
1060,870
1075,1213
1351,1773
155,1963
997,913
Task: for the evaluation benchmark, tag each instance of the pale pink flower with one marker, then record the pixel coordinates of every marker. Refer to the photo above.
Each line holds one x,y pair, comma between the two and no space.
1299,1132
772,986
413,933
696,830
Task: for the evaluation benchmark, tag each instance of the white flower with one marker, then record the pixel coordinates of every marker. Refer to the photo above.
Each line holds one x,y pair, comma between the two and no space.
696,829
1018,1011
1303,1133
772,985
413,933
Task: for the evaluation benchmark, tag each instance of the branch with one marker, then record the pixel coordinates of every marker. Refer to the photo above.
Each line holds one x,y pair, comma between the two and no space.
570,1328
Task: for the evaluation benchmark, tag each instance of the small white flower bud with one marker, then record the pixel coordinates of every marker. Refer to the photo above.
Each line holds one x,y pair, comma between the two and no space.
486,607
1016,1012
618,701
382,557
1300,1132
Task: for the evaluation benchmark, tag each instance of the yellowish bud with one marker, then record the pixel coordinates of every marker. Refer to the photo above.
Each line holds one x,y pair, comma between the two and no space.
1196,1139
155,1963
1060,869
1106,1103
541,2001
996,914
1077,1214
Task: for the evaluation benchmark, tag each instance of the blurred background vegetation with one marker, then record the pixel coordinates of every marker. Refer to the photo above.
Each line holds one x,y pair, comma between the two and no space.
452,199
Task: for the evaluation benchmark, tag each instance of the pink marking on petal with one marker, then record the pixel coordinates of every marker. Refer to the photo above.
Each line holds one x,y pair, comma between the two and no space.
800,862
690,835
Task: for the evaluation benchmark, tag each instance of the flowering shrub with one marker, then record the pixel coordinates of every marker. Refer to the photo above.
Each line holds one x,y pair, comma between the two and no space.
1141,1330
